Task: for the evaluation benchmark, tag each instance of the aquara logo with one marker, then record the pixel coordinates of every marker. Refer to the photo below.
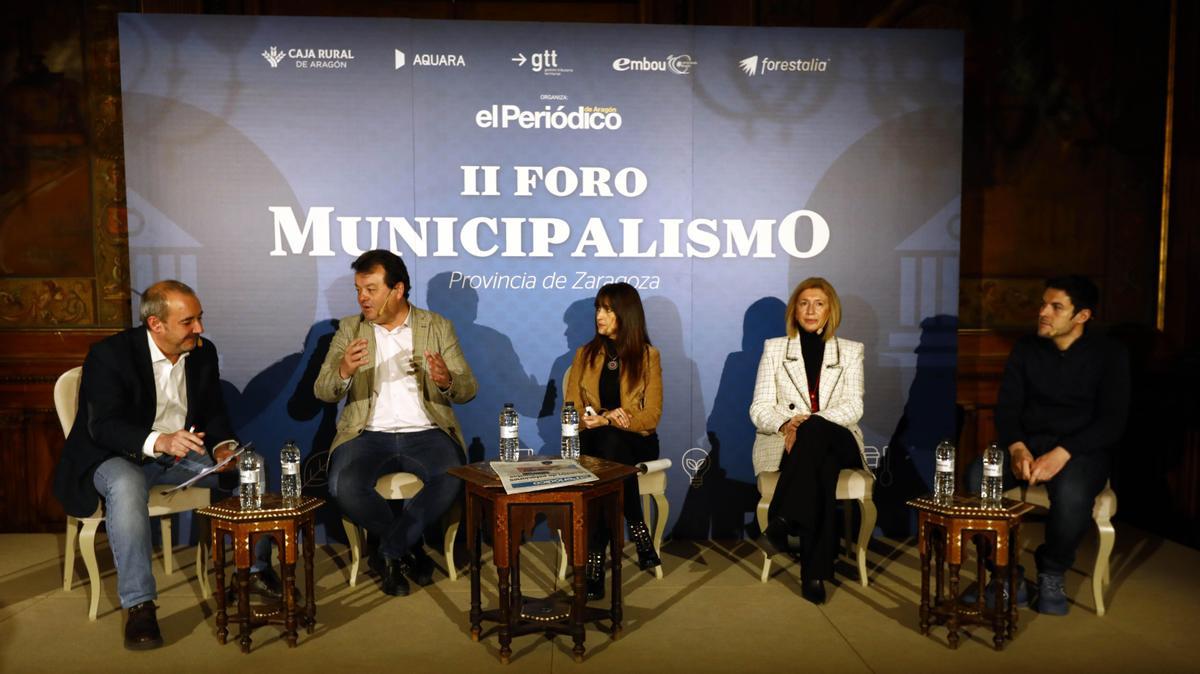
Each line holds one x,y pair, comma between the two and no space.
753,65
429,60
680,65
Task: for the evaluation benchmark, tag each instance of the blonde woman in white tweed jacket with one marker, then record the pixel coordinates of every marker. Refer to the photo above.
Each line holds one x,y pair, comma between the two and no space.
808,398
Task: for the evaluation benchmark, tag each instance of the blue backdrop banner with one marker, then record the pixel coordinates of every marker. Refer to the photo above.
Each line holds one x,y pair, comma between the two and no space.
516,167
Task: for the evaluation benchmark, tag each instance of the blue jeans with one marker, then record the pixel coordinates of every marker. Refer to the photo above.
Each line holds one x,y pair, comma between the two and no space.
1072,495
125,488
359,463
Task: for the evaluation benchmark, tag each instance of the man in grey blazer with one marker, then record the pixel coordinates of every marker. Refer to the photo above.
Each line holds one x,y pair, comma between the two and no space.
399,368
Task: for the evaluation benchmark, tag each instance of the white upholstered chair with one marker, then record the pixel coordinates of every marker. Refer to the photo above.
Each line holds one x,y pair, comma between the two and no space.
1103,510
83,529
852,485
395,487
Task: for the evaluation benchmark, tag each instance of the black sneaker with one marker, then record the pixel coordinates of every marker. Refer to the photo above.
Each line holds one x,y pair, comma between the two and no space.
141,627
391,574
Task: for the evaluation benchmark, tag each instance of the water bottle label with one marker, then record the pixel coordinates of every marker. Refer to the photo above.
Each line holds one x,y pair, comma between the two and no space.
249,477
289,468
991,470
570,430
508,432
945,465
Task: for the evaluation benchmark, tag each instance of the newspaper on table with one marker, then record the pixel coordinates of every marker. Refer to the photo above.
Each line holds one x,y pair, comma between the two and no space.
519,477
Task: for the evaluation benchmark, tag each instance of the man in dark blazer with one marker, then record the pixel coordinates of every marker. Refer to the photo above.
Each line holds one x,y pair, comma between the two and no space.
150,412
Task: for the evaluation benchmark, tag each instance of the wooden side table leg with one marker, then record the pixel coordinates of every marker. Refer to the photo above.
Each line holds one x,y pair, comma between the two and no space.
514,547
289,603
310,596
218,552
925,529
474,543
1014,551
505,615
1003,605
952,623
243,582
616,527
939,555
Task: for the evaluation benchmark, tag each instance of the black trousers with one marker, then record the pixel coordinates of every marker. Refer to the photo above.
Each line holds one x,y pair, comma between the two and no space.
804,495
1072,495
614,444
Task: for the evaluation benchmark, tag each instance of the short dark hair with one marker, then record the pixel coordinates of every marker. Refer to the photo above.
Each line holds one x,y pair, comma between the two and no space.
154,299
1083,293
394,270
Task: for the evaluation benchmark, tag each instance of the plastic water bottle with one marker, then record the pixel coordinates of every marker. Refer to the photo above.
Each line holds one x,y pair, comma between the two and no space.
289,472
570,431
943,476
992,489
509,427
250,479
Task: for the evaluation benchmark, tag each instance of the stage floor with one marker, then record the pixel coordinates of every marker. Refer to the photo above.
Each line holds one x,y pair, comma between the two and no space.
710,613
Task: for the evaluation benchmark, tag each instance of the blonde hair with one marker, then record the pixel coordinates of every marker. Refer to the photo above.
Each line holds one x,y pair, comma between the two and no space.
832,320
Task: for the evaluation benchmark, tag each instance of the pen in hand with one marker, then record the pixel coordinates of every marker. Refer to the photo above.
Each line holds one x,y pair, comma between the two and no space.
191,429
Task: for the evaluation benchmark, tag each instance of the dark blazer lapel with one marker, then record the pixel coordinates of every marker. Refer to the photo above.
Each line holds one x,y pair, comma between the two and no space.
793,364
193,375
144,370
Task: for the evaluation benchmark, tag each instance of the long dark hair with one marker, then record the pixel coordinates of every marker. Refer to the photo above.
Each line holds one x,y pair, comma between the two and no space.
632,338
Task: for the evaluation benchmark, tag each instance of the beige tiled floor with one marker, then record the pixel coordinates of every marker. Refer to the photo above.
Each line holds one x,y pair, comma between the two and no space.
709,614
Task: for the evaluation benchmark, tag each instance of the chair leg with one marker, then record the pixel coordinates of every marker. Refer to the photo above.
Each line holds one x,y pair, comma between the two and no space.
448,546
168,549
562,557
69,553
355,542
1108,536
87,548
661,510
849,538
760,514
202,544
865,528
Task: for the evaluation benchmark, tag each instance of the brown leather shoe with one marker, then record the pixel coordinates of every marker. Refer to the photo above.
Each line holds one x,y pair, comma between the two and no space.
141,627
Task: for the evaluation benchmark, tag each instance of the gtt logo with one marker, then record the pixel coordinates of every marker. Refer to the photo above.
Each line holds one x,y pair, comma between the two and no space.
538,61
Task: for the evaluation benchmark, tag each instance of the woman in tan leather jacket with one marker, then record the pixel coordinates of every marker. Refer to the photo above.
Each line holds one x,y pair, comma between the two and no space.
616,382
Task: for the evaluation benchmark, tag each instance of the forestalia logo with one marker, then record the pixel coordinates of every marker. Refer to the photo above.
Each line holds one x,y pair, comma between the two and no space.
750,65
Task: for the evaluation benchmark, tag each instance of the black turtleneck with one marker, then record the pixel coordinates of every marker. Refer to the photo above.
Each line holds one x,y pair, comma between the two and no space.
812,346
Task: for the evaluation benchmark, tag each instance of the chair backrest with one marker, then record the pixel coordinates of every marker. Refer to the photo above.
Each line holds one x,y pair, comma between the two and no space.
66,397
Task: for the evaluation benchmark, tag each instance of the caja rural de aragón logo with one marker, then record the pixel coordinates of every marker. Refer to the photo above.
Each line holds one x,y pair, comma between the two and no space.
310,58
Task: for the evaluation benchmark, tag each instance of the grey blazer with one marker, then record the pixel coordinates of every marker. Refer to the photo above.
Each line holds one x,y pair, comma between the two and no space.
431,332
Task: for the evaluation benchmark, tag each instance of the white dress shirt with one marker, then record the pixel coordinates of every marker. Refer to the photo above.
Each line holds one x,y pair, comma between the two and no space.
170,388
398,407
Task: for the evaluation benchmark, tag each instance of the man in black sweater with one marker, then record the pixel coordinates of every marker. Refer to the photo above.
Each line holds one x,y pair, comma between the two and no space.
1063,404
